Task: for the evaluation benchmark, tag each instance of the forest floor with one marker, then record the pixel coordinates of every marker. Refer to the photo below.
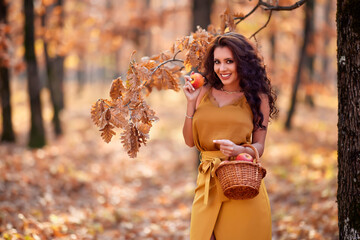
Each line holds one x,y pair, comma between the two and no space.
78,187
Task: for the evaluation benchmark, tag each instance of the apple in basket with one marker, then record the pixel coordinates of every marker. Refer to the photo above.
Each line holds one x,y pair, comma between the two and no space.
244,157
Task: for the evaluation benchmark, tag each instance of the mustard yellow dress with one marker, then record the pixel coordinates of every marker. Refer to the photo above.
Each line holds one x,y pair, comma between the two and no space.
211,210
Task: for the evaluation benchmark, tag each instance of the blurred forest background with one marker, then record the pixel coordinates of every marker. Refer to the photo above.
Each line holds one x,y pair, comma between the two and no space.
72,185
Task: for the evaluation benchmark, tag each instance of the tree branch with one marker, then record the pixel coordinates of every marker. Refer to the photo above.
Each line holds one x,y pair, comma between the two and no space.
165,62
281,8
102,100
174,59
251,12
267,22
267,6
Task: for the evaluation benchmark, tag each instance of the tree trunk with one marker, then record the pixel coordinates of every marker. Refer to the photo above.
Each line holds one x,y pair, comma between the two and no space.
54,68
147,34
310,56
302,61
117,62
8,132
201,12
272,39
273,46
59,62
348,59
37,132
326,57
81,73
55,76
309,99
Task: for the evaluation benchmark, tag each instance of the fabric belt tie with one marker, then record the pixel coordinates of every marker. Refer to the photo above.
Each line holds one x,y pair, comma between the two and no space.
208,166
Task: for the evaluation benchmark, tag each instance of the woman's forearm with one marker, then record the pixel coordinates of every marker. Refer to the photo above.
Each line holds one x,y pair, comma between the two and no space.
187,129
242,149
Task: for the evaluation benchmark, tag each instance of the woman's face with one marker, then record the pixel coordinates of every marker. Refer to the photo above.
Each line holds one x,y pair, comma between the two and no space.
225,68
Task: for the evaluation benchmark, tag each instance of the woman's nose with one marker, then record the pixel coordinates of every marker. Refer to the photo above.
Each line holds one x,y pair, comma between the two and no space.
222,67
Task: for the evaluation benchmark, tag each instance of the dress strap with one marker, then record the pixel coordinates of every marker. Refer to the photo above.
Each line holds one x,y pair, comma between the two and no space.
206,94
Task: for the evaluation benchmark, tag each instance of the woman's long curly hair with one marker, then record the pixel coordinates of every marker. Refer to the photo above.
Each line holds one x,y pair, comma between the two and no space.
250,69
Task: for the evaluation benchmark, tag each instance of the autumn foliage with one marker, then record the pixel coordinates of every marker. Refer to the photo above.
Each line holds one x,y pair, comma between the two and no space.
127,108
78,187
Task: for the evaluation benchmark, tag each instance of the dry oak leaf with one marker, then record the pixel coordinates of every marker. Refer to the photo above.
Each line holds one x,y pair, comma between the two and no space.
142,72
133,98
119,114
227,21
239,15
130,140
164,56
211,29
166,80
145,114
197,48
133,82
116,89
105,118
182,43
144,128
138,113
97,110
148,62
165,77
100,113
107,133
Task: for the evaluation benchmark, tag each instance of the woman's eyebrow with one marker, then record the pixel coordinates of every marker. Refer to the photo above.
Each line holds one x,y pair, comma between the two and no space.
224,59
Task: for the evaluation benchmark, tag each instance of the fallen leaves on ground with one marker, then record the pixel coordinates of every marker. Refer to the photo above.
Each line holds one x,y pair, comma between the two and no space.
78,187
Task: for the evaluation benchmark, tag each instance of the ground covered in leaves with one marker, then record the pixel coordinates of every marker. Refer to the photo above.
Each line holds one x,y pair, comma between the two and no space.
78,187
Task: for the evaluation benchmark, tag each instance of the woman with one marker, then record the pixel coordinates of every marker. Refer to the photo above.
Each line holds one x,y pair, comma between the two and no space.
231,109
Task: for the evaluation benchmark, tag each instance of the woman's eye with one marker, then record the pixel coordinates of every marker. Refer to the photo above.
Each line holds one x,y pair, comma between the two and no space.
227,61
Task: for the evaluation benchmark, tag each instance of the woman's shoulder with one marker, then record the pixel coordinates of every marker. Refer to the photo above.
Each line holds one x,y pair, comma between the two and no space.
264,98
203,91
205,88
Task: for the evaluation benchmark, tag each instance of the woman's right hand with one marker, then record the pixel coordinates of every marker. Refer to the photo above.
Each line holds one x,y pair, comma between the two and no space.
190,92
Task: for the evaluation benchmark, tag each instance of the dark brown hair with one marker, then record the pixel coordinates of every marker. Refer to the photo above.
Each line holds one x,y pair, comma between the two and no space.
250,69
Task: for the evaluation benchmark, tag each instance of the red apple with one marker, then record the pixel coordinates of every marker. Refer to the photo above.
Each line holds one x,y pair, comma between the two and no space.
244,157
197,80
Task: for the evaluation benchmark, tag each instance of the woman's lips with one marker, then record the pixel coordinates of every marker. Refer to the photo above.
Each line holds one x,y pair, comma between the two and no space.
225,76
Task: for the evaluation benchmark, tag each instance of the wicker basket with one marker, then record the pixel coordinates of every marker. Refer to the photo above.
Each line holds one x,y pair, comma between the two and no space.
241,179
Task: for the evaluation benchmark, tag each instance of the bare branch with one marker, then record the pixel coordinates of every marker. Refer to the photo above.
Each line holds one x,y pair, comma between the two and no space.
251,12
271,7
132,55
174,59
179,51
267,22
102,100
267,6
165,62
282,8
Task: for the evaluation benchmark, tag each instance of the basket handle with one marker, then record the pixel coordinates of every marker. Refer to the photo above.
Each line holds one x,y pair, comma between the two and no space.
257,158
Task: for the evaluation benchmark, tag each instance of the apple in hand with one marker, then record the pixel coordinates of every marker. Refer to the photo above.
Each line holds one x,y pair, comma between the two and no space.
244,157
197,80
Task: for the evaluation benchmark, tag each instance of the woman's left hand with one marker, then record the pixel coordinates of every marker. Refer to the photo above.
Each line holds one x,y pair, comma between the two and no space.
228,148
